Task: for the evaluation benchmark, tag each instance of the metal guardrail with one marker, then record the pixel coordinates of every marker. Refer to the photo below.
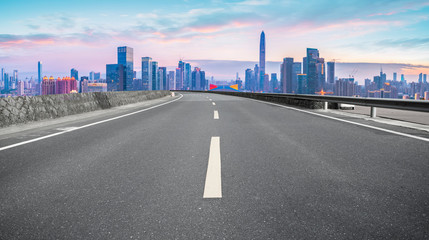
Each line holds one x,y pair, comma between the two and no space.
410,105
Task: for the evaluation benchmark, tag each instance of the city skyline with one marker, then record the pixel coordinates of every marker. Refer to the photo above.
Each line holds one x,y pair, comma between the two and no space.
392,32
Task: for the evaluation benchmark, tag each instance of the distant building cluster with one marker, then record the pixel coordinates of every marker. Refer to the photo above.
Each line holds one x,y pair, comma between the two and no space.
120,77
311,76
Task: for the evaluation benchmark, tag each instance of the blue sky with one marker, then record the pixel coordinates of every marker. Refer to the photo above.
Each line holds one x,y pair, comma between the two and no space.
85,34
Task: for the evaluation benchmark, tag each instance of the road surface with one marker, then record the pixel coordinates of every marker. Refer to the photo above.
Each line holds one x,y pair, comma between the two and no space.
209,166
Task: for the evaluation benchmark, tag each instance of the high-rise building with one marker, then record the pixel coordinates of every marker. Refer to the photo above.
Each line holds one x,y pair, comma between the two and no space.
6,81
274,83
296,69
302,84
155,78
75,74
39,77
331,72
65,85
420,77
115,77
266,83
321,73
2,78
179,79
97,75
286,75
171,82
15,76
48,86
424,78
188,76
198,79
395,77
312,73
344,87
21,88
84,84
383,78
261,62
147,73
162,75
125,58
91,76
402,78
249,80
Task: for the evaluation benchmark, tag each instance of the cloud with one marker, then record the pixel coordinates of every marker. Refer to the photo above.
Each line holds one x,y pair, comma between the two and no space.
254,2
10,40
405,43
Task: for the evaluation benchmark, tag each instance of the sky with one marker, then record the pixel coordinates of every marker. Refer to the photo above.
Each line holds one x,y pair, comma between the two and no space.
85,34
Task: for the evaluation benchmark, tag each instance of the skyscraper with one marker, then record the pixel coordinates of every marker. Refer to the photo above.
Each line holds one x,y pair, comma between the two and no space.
179,79
125,58
262,62
302,84
249,80
331,72
312,77
256,77
296,71
286,74
274,83
163,82
147,73
115,77
2,77
91,76
155,79
424,78
321,75
188,76
75,74
420,77
15,77
395,76
171,82
39,77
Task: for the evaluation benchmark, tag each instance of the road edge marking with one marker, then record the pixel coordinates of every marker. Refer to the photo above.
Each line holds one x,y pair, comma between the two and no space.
346,121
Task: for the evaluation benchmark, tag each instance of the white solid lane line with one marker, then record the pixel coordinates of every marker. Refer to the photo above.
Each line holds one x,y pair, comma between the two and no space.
216,114
346,121
213,185
214,104
85,126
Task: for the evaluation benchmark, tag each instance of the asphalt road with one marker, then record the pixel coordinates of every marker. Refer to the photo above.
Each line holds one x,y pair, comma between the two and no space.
275,173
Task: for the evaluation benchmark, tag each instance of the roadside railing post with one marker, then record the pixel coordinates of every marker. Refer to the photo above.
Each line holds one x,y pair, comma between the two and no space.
373,112
325,106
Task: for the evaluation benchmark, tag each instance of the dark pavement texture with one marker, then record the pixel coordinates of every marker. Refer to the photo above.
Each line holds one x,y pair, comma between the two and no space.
285,175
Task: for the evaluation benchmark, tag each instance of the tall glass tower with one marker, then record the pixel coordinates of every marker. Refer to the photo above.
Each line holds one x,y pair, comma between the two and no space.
125,58
147,73
312,77
261,61
39,75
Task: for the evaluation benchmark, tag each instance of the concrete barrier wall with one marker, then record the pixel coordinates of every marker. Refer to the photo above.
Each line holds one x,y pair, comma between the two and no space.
17,110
